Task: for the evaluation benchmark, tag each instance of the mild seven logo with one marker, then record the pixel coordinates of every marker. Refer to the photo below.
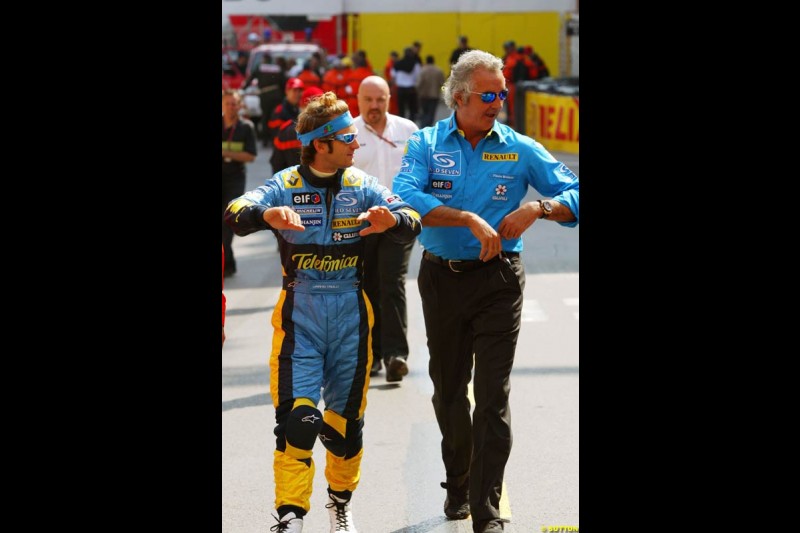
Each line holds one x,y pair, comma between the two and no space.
447,163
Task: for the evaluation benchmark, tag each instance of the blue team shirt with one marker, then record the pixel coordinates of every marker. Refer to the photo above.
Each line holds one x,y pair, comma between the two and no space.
440,167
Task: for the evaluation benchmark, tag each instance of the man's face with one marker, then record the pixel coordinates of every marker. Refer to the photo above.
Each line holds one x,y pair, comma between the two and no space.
293,96
230,105
373,101
472,113
337,154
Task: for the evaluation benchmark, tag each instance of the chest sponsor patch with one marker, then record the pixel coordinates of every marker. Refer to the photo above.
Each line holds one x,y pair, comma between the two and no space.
308,210
442,184
344,223
446,163
311,221
502,176
307,198
487,156
407,164
566,172
292,180
339,236
500,193
346,202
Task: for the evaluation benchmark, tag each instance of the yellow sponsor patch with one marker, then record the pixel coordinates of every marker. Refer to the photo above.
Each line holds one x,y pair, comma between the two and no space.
500,157
342,223
238,204
292,180
351,181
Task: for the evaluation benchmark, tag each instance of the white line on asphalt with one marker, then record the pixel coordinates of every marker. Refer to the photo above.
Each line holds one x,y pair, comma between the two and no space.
533,312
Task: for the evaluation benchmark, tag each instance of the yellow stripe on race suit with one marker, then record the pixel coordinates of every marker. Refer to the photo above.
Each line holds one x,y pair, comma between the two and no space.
277,342
297,453
371,321
335,421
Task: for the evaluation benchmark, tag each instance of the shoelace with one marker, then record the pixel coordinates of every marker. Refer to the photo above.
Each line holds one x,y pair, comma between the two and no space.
341,514
282,525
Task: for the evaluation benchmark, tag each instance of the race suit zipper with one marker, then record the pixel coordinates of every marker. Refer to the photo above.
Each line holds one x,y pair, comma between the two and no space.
329,221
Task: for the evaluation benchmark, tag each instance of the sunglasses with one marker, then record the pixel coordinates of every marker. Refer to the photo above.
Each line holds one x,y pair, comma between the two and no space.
346,138
489,97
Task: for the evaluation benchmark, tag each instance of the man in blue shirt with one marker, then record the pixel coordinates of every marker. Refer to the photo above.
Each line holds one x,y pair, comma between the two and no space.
467,176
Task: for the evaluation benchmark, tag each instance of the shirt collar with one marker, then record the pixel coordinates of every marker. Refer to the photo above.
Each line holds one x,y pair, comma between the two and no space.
452,127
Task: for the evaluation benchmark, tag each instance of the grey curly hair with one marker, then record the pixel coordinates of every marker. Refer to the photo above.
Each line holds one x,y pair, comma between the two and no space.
461,73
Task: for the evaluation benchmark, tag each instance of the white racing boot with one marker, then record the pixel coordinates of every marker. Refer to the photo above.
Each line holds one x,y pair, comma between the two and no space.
288,524
340,515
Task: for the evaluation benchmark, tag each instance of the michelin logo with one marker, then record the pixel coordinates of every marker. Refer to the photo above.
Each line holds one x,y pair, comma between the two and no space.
308,210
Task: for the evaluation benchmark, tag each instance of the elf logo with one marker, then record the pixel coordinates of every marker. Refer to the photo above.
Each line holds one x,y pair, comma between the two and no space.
442,184
306,198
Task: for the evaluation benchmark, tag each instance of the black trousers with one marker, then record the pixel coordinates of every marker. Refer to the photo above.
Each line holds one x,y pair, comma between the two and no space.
231,188
473,314
428,115
385,269
407,102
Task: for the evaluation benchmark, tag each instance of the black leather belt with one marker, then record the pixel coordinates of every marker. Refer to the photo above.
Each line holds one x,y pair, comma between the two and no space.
463,265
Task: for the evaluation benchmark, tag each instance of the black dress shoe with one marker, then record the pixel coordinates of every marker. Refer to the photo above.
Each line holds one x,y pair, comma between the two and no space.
396,368
456,505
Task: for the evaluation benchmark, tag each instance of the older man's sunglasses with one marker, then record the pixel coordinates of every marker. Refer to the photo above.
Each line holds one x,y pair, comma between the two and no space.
489,97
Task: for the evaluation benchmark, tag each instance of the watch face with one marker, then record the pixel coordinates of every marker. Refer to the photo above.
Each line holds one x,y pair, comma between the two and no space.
547,206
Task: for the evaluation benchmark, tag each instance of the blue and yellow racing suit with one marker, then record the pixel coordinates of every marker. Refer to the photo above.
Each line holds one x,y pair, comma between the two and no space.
322,321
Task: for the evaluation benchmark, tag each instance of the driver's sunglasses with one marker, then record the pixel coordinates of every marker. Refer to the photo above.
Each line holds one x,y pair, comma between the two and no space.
346,138
489,97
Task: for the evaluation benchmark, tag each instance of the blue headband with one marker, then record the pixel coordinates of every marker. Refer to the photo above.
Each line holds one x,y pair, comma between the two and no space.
342,121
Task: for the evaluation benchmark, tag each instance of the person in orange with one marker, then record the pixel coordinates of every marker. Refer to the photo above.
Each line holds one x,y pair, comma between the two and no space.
308,75
361,71
516,67
335,79
387,75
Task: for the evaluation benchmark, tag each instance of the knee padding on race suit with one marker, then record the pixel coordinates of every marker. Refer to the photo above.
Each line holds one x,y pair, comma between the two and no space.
341,437
302,427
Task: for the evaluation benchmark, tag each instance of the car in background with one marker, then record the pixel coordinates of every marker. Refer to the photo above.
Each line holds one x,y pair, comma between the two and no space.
300,52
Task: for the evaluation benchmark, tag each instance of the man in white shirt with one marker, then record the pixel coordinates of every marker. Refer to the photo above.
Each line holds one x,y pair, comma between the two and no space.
383,137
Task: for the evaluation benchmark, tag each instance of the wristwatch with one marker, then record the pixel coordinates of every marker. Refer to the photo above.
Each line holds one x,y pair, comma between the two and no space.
547,208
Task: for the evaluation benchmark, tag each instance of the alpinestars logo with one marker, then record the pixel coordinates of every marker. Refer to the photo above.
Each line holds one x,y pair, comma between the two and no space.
309,418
